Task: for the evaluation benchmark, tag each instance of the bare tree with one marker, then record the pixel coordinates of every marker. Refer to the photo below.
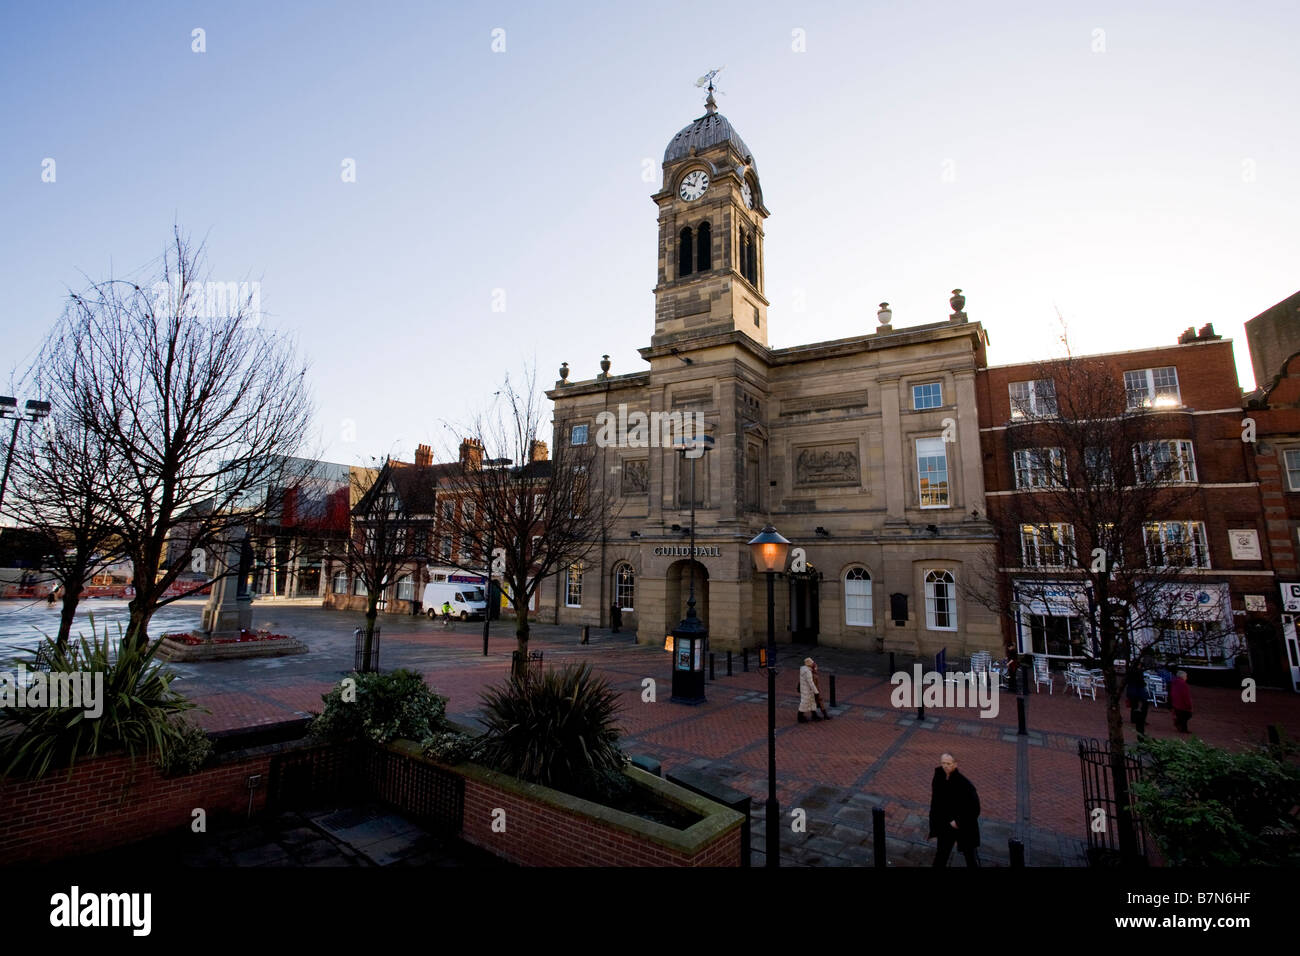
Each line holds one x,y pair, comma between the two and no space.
191,402
1096,534
60,496
392,517
536,513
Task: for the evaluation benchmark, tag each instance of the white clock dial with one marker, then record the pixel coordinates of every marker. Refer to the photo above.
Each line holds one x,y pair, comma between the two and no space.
747,194
694,185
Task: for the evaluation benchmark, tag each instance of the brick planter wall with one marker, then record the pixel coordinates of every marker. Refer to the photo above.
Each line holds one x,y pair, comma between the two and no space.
108,802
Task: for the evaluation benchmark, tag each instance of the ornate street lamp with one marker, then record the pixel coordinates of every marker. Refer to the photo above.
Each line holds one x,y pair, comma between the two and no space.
770,551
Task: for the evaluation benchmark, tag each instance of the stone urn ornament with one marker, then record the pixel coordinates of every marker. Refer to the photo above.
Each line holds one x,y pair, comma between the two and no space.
604,365
884,316
564,372
958,301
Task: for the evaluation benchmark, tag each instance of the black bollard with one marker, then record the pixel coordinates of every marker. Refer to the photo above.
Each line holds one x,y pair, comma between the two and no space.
878,836
832,690
920,711
744,659
1017,853
585,629
712,656
728,663
1020,717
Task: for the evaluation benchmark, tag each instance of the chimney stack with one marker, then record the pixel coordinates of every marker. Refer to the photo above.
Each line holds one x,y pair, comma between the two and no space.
538,451
423,456
1188,336
1207,333
471,453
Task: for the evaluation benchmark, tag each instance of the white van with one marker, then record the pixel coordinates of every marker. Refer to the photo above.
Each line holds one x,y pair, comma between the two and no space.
466,600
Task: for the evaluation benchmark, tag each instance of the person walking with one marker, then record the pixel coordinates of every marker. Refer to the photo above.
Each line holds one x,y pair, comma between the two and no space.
1180,699
1139,700
807,692
817,691
615,617
954,813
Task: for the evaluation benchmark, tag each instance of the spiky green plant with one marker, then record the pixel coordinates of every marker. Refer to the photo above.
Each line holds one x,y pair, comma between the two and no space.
559,729
139,710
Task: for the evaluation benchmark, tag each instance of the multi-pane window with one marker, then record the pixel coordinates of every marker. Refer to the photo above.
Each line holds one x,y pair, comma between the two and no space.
1039,467
1036,399
1106,539
359,587
1176,544
1292,458
940,601
625,587
448,511
445,550
1101,471
340,585
1184,640
579,435
1058,636
1165,461
405,588
857,597
1047,545
1152,387
932,472
929,395
573,586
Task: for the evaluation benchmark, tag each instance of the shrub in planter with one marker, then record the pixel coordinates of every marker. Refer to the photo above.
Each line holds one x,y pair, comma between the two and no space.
1213,807
453,747
380,707
138,709
558,729
188,751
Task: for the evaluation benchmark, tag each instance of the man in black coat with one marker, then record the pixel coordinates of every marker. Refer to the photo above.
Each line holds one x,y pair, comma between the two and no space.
954,813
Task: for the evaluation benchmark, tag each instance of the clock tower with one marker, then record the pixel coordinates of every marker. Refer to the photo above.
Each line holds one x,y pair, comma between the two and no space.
711,216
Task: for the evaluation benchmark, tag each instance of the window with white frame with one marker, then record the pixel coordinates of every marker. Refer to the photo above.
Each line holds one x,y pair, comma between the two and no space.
1168,460
932,472
625,587
1047,545
1187,641
578,436
340,585
445,549
929,395
573,586
1292,459
940,601
1035,399
405,588
1176,544
448,511
359,588
1039,467
1152,388
1101,471
1109,542
857,598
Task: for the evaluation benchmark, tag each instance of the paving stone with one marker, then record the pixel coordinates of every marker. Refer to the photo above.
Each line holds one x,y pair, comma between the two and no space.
264,855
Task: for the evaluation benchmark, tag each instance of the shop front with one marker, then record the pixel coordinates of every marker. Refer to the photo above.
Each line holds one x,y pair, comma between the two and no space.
1053,620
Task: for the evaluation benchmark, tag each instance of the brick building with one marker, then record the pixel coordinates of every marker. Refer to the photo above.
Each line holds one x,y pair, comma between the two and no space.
1214,541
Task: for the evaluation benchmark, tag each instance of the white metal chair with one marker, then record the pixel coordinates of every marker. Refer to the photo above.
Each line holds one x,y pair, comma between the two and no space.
1041,673
1156,689
980,662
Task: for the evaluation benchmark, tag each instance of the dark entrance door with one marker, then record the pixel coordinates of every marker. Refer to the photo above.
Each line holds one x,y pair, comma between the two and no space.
1267,655
804,621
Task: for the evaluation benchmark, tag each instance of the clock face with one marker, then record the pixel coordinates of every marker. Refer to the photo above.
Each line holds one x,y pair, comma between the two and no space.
747,194
694,185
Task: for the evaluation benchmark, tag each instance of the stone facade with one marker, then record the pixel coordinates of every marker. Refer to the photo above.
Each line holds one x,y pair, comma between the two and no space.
820,440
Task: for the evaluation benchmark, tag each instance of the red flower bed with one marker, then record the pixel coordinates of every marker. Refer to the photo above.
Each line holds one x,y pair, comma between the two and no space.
244,637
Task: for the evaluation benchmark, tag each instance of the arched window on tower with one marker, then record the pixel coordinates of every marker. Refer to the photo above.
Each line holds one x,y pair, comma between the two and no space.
684,252
751,249
742,248
704,248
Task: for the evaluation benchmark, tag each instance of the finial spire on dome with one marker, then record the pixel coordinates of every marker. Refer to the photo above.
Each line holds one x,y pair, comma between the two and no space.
710,104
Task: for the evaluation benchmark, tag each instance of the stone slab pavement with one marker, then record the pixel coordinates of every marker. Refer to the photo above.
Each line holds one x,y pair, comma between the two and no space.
871,754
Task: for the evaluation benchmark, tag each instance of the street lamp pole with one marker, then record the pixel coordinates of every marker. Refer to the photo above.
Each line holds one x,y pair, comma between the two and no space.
9,409
769,550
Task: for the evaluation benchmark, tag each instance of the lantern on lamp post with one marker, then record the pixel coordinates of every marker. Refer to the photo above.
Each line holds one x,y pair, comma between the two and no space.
770,551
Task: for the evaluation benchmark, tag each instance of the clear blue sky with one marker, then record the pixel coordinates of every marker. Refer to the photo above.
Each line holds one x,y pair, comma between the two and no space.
1139,180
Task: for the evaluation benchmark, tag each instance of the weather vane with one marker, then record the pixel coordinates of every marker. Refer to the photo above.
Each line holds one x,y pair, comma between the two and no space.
707,81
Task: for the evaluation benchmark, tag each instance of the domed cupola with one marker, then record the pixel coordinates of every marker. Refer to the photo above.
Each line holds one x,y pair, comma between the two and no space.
706,132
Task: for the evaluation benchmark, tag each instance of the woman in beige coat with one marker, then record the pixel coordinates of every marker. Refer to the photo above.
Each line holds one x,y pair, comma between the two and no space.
809,692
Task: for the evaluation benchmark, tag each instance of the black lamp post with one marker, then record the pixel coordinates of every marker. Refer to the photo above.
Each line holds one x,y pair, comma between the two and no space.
9,409
690,636
770,550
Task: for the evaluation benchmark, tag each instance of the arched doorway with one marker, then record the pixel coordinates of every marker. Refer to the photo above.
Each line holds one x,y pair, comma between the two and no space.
805,606
679,590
